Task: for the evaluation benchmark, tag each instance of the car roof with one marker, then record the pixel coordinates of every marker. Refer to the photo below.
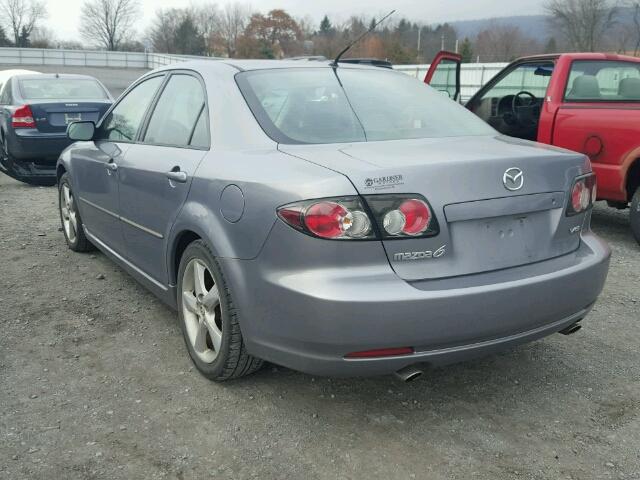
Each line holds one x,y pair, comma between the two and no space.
6,74
231,67
579,56
34,75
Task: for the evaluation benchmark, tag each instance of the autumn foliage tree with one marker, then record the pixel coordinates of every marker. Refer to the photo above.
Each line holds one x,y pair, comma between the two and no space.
274,35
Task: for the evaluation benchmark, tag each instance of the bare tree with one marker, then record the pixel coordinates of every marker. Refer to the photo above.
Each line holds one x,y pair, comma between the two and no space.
233,20
584,22
503,43
21,17
634,5
108,23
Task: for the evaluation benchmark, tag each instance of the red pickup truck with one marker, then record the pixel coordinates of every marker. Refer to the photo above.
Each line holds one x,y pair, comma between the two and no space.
586,102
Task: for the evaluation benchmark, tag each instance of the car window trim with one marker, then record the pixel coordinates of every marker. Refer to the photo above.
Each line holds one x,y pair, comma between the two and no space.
195,125
566,100
154,103
123,96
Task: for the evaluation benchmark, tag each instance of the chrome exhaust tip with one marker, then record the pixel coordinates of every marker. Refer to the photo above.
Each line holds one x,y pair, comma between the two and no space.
409,374
571,329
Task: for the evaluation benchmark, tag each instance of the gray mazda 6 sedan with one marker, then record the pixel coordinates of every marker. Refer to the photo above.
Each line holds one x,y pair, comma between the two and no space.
335,220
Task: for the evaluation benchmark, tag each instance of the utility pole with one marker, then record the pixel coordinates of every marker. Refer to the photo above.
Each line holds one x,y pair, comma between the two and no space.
442,43
419,37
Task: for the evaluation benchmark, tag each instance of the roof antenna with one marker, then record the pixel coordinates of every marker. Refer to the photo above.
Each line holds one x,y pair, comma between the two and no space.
334,64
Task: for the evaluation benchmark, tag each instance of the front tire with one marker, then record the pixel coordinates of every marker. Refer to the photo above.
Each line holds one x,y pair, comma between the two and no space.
70,217
208,318
634,215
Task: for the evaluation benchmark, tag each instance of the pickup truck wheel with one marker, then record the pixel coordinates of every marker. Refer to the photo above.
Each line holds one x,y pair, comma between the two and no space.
634,215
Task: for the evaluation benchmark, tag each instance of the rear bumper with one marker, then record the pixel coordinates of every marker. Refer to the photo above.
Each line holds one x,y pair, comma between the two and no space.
31,145
33,155
310,319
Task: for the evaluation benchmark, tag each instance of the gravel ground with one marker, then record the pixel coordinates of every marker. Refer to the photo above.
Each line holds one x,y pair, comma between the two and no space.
95,382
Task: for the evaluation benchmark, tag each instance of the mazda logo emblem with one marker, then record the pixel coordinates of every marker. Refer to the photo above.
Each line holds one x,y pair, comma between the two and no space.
513,179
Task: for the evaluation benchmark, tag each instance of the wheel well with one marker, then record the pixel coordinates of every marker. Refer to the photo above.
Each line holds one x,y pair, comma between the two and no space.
633,179
183,241
59,172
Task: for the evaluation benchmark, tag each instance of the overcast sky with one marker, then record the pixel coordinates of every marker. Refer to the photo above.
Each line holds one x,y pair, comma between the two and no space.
64,15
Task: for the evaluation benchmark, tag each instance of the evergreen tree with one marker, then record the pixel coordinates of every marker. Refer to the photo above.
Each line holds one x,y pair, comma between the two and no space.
551,46
23,39
4,41
325,26
466,51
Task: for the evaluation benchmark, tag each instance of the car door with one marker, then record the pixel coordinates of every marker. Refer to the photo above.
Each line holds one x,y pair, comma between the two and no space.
444,74
95,164
156,173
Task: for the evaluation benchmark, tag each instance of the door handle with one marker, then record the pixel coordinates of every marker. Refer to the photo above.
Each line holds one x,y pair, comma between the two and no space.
177,176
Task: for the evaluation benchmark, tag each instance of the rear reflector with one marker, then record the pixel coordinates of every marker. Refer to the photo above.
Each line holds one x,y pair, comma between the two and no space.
383,352
22,117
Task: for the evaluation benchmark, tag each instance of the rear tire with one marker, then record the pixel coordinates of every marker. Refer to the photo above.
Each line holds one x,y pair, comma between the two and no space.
634,215
70,217
208,318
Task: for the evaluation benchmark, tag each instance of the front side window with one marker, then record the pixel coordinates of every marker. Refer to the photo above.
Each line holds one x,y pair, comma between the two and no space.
175,115
445,78
528,77
123,122
603,81
49,88
318,105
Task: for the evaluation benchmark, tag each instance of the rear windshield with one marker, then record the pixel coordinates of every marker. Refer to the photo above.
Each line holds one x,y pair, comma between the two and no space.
603,81
61,89
316,105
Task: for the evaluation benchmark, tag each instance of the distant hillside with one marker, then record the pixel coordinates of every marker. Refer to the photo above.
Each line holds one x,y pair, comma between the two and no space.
533,25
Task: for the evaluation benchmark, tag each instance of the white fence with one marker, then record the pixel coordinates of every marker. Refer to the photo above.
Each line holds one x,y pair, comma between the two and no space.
473,75
87,58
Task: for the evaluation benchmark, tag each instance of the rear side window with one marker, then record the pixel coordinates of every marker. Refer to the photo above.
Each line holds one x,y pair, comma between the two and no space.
123,122
49,88
200,138
174,118
603,81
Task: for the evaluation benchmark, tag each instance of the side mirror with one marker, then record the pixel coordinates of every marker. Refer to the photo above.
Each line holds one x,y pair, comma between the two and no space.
81,131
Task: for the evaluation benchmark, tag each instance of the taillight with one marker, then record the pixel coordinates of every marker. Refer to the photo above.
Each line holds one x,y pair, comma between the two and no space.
22,117
348,218
583,194
403,216
334,219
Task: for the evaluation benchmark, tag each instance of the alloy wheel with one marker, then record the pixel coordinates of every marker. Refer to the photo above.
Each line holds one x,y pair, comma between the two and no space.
69,213
201,310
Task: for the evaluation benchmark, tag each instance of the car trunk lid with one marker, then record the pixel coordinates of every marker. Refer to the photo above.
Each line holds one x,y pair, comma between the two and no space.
484,226
54,117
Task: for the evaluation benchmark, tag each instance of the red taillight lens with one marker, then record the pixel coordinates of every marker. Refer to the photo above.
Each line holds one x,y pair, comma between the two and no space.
334,219
583,194
22,117
579,197
417,216
327,219
383,352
